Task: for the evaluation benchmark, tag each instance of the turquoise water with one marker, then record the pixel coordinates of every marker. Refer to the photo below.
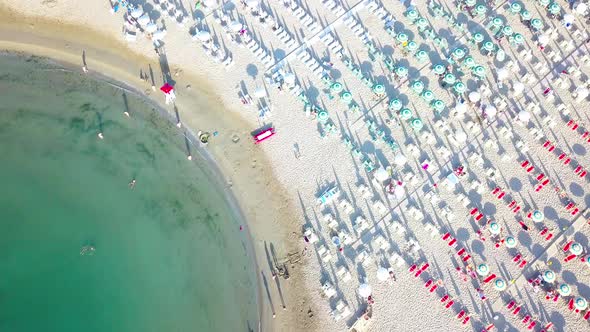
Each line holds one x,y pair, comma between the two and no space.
169,253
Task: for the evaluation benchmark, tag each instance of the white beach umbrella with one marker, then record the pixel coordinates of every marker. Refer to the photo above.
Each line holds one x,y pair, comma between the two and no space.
159,35
399,192
524,116
289,78
151,27
365,290
210,3
518,88
581,8
203,35
490,111
502,74
137,12
568,19
474,97
543,40
252,4
144,19
382,274
400,159
581,93
461,108
236,26
260,92
381,174
461,136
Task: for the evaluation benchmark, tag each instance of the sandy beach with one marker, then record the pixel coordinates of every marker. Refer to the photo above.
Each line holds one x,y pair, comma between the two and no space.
439,214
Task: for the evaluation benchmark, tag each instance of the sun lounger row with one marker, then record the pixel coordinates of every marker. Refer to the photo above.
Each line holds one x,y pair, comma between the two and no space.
332,44
305,19
311,63
334,7
285,37
262,55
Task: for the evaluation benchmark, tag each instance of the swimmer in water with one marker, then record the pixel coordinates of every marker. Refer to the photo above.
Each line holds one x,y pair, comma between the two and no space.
132,183
100,135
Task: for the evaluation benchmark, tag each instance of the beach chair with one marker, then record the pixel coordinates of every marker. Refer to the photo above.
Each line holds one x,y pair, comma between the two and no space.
510,305
489,278
522,264
444,298
466,320
449,304
516,310
466,258
526,319
570,304
570,257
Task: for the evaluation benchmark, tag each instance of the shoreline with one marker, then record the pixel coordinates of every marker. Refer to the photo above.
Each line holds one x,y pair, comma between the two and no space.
39,45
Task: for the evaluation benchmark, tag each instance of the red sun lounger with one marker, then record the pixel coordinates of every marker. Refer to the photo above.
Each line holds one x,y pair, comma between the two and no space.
433,288
489,327
512,204
570,304
412,268
569,258
561,156
461,252
530,169
449,304
489,278
522,264
556,297
569,206
546,144
418,273
446,236
575,126
544,231
444,298
549,237
510,305
567,161
516,258
516,310
461,314
547,327
570,123
474,211
428,283
540,177
551,148
583,174
526,319
424,267
524,164
545,182
587,315
574,211
496,190
578,169
585,134
516,209
532,325
466,320
567,246
501,195
452,242
466,258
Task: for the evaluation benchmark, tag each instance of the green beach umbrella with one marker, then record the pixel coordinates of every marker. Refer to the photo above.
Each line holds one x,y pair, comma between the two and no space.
500,284
336,87
401,71
346,97
412,46
507,30
469,62
488,46
517,39
395,105
537,24
458,53
427,96
439,69
405,113
511,242
323,116
576,248
580,303
495,23
402,37
450,79
477,38
483,269
525,15
459,87
537,216
480,10
417,87
411,14
549,276
494,228
421,55
470,3
554,8
438,105
379,89
421,23
416,124
544,3
515,8
564,290
479,71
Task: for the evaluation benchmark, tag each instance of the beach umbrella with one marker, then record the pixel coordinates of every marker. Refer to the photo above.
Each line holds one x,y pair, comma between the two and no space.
576,248
497,22
336,87
365,290
399,192
537,216
544,3
488,46
203,35
405,113
499,284
449,79
510,242
144,19
402,37
581,93
412,46
479,71
289,78
336,241
515,8
580,303
507,31
346,97
461,136
494,228
416,124
518,88
427,96
382,274
260,92
159,35
438,105
564,290
525,15
401,71
381,174
543,40
421,55
395,105
323,116
439,69
400,160
549,276
587,260
137,12
517,39
469,62
477,37
537,24
210,3
474,96
490,111
461,108
568,19
483,269
236,26
502,74
470,3
379,89
252,4
151,27
581,8
524,116
554,8
412,14
480,10
421,23
417,87
458,53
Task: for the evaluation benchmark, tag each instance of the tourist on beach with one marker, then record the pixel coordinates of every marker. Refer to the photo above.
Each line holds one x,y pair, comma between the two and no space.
481,294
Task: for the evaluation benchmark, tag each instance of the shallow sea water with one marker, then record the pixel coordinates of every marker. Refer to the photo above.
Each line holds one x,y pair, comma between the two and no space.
169,253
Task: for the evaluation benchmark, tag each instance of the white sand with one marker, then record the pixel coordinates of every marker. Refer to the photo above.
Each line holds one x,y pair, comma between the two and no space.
404,304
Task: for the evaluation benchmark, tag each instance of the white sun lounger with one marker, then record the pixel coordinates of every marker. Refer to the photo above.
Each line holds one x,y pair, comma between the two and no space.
343,274
398,228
